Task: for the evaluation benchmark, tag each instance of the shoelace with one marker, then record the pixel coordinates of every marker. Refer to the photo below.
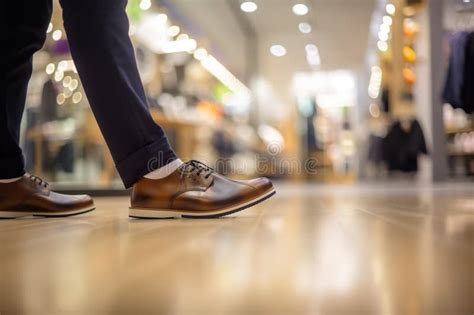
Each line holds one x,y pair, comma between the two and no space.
38,181
194,166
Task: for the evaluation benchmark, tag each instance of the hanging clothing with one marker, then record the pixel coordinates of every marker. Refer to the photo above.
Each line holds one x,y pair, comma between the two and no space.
386,100
375,152
467,95
49,107
454,83
401,147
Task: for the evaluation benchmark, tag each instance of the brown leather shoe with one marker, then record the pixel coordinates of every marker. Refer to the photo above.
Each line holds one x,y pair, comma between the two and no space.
30,195
195,191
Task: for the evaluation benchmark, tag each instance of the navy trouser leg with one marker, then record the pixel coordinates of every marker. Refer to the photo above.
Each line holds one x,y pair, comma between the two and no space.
23,24
97,31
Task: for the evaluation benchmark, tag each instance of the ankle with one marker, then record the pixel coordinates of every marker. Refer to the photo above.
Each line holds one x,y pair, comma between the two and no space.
165,170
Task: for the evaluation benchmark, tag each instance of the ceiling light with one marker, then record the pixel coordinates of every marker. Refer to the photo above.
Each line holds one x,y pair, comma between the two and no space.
66,65
60,98
182,37
179,46
62,65
66,81
50,68
173,30
145,4
162,18
304,28
50,27
385,28
248,6
311,48
383,36
390,8
374,110
278,50
313,60
73,85
77,97
58,76
375,82
225,76
200,54
383,46
387,20
300,9
312,55
57,34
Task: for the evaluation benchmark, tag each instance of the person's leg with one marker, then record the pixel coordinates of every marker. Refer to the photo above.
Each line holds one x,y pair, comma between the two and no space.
97,33
24,24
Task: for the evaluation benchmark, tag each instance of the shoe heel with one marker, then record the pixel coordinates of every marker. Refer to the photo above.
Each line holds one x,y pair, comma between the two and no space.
152,214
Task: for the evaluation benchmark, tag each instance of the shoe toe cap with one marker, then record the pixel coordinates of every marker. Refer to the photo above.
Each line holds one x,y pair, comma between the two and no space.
261,184
72,201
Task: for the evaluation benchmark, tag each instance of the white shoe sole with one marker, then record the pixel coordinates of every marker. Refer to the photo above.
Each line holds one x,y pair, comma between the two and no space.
21,214
141,213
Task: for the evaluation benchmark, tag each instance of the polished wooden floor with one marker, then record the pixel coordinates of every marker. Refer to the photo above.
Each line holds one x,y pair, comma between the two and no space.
369,249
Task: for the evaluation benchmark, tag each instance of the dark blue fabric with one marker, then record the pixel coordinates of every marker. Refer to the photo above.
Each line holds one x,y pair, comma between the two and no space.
97,32
453,86
23,33
468,86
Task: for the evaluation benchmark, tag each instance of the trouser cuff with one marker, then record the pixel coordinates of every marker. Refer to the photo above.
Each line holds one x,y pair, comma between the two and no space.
145,160
12,167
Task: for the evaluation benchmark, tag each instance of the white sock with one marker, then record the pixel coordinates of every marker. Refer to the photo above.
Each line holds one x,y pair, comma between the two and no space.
165,170
10,180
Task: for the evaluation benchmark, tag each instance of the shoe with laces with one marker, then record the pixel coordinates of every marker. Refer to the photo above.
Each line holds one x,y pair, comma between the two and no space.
194,190
32,196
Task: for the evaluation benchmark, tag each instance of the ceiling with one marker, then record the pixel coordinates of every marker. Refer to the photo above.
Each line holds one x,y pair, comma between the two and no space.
340,30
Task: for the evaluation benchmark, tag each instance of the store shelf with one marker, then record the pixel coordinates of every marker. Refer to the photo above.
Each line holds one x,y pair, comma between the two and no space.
459,130
461,153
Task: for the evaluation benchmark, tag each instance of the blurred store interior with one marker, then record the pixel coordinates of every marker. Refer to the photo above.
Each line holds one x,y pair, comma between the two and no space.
361,112
327,91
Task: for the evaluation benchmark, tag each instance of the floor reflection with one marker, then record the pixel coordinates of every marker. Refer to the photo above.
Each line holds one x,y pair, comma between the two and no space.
309,250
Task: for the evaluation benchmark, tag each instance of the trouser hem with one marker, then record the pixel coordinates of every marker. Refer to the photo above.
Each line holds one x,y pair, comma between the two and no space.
144,161
12,167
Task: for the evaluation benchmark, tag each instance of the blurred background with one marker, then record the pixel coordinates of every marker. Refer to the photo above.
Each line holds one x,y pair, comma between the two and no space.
331,91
